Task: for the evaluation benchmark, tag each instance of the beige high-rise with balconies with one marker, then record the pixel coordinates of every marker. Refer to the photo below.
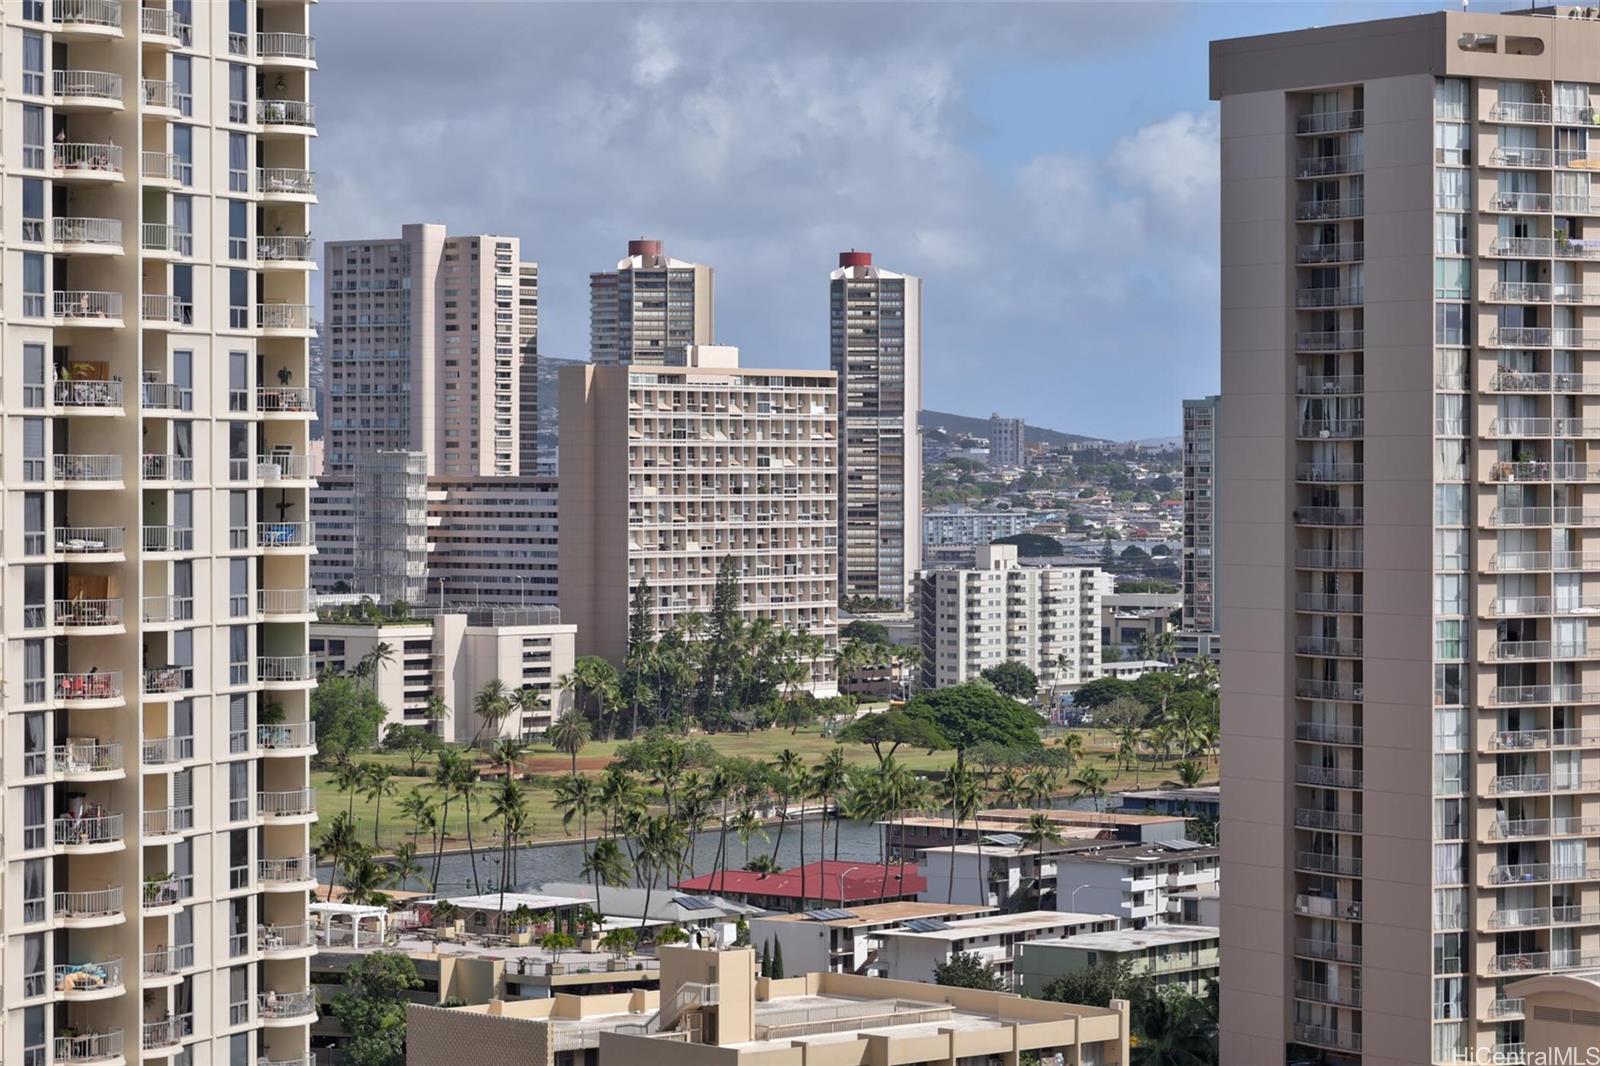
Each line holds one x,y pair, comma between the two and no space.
1410,366
429,338
651,309
155,739
667,471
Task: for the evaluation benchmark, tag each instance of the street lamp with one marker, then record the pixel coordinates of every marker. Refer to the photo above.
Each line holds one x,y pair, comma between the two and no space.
1072,897
842,875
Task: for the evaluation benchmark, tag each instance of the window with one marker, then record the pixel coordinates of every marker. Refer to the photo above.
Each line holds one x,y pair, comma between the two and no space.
238,588
1448,641
33,897
239,230
32,137
33,375
35,1050
1452,279
238,163
32,63
238,299
183,224
33,450
35,751
238,93
183,153
33,523
33,818
183,84
33,210
33,292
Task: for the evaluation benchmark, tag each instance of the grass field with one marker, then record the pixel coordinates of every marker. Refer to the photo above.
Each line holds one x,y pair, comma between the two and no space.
546,763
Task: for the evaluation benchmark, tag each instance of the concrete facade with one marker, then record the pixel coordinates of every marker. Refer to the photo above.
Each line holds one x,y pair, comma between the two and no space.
1007,442
1173,956
651,309
1200,509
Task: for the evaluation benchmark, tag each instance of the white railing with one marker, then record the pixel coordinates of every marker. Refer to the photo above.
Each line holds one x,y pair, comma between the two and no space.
92,829
287,871
162,609
85,612
158,539
167,1031
88,758
286,1004
87,85
284,316
158,307
163,751
164,237
89,1047
286,667
1323,210
286,180
1330,252
158,93
284,249
1519,111
88,540
103,13
87,392
1522,157
1349,647
162,467
1326,165
88,467
286,46
168,821
91,686
159,680
294,803
1329,121
161,165
97,903
286,601
290,466
84,157
284,534
286,735
285,113
275,938
287,398
165,892
81,304
165,396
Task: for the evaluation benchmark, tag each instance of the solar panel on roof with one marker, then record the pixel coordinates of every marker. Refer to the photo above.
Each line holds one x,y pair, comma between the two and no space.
1004,840
1182,845
694,903
927,925
828,914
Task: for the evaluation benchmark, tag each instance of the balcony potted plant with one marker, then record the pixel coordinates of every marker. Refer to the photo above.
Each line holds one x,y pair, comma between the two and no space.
555,944
589,922
521,921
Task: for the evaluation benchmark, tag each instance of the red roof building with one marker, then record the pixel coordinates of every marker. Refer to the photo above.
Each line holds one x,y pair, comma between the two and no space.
830,883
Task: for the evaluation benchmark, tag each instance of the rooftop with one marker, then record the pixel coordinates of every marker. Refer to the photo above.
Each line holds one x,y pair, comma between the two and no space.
836,880
664,905
883,913
1001,924
1120,940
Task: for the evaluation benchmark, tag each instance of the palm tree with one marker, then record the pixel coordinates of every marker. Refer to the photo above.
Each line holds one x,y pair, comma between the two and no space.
1040,783
508,806
959,791
528,701
443,912
747,825
349,777
379,782
786,769
762,864
721,785
1190,773
657,847
445,771
491,705
404,867
337,842
606,865
416,806
363,877
915,795
830,778
1175,1031
577,798
437,710
1091,781
1038,832
1010,790
1128,737
506,751
465,785
570,733
1072,750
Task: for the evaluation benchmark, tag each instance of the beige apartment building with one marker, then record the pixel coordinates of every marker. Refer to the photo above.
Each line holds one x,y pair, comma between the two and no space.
650,309
1045,617
666,471
1411,572
1007,441
875,346
453,655
1201,419
430,340
154,544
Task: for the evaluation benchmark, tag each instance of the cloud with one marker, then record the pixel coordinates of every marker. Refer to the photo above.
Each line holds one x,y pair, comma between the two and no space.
765,138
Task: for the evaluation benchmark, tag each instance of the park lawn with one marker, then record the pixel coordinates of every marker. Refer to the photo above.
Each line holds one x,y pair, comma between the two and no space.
546,763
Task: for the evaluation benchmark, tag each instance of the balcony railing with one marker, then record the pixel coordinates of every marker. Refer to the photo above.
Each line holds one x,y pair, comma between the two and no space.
1543,516
1329,121
1328,776
286,399
285,534
285,249
1330,340
295,803
88,467
164,751
287,871
1336,296
98,903
82,305
105,232
1520,739
286,1004
286,735
286,668
168,821
1323,559
164,237
1519,111
1327,733
88,830
86,158
158,539
1332,821
1329,602
159,307
286,46
1329,516
1318,689
1326,210
1508,783
88,614
89,1047
165,396
167,1032
87,393
1522,157
160,610
1327,907
88,758
271,939
160,680
166,892
1324,1036
286,601
286,181
1330,253
1337,428
283,316
1325,993
285,113
161,467
90,686
1347,647
1328,165
87,540
158,93
103,14
1327,472
1333,950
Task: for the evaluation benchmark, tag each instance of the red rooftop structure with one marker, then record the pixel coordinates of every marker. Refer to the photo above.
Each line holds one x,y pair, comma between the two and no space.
830,883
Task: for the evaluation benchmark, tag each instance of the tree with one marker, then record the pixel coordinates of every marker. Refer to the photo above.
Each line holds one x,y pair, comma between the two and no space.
1098,985
1033,545
404,867
865,632
891,729
1013,679
347,717
508,805
1175,1029
349,777
1190,773
413,741
1119,714
1040,831
1097,693
606,865
777,960
577,798
491,705
1091,781
363,877
338,841
371,1008
966,969
377,784
570,733
959,791
555,944
972,714
619,942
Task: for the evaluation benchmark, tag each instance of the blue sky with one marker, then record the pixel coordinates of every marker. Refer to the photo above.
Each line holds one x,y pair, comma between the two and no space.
1048,169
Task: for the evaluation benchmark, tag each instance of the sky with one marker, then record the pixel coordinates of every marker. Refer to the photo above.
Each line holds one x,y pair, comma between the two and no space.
1048,169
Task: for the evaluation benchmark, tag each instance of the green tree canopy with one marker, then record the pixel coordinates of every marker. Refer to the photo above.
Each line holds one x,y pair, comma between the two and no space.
885,731
1033,544
1099,692
372,1008
966,969
974,713
1014,679
347,717
866,632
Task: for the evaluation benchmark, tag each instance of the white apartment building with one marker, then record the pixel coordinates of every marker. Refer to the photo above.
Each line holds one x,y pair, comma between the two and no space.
961,526
666,471
875,339
428,341
911,951
1045,617
1007,442
154,594
478,541
454,655
650,309
1200,418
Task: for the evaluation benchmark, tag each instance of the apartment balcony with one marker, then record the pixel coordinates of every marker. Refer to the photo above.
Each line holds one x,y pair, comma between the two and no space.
1326,473
1337,340
1340,647
1325,559
1330,950
86,90
158,396
86,309
162,240
88,761
286,1007
287,604
167,1034
105,1047
297,50
1577,158
163,169
87,617
1329,516
1516,111
163,752
1519,784
290,671
1524,962
162,26
86,19
1329,122
285,940
87,543
1525,203
87,910
160,97
168,680
167,610
297,402
1327,166
1330,385
91,689
1327,907
294,116
287,875
1539,472
1506,1009
80,236
161,895
1329,210
297,804
1329,297
1317,992
1527,873
167,822
1543,248
293,252
1326,428
307,1060
1331,821
1524,381
1520,739
1328,733
1310,688
1323,1036
89,471
297,739
161,467
282,319
1521,337
89,980
160,311
1522,158
86,396
1540,517
1329,602
1328,776
1308,254
86,162
287,537
286,184
166,540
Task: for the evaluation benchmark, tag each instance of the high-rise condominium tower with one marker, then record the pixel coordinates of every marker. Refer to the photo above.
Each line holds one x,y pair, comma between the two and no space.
650,309
155,738
666,472
1007,441
876,349
1411,694
428,340
1200,421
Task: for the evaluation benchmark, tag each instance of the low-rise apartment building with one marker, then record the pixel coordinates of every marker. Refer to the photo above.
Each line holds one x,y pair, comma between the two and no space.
453,656
913,951
1045,617
846,940
958,525
1172,956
